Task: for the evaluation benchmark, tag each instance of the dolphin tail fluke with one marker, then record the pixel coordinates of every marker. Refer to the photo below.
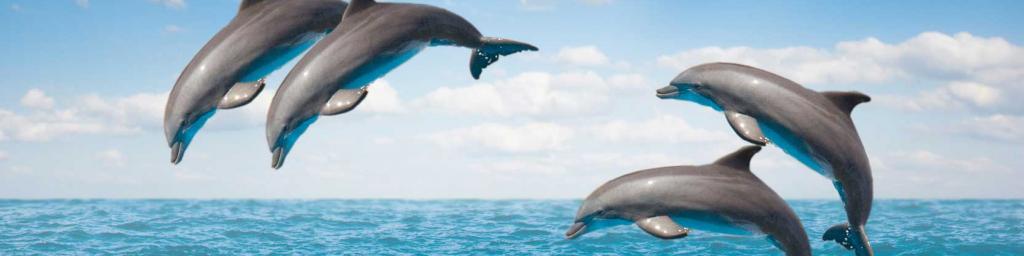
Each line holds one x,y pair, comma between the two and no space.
490,49
850,238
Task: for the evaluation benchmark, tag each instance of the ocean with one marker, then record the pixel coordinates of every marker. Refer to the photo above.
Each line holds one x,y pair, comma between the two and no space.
473,227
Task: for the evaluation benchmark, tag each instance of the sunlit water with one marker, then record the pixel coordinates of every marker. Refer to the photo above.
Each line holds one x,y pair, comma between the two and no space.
517,227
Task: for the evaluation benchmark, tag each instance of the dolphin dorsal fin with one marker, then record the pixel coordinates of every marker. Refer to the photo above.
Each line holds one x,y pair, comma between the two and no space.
357,5
846,100
740,159
247,3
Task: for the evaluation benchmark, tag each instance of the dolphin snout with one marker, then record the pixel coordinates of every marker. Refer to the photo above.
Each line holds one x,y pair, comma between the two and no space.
668,92
177,152
576,230
278,159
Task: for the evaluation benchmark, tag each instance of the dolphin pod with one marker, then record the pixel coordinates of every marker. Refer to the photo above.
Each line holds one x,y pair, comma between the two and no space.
228,71
815,128
723,196
365,40
371,40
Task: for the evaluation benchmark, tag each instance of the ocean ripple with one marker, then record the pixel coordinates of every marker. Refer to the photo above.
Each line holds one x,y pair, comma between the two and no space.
475,227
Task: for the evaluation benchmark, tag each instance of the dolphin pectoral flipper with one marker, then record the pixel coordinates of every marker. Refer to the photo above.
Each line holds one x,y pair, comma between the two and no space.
746,127
846,100
490,49
344,100
662,227
241,93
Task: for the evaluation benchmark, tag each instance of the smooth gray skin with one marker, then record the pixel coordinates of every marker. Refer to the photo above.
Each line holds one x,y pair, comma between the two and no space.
261,30
819,128
372,39
725,191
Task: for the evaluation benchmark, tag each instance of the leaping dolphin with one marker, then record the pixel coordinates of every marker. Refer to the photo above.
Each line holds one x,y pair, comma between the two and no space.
228,72
372,39
722,197
813,127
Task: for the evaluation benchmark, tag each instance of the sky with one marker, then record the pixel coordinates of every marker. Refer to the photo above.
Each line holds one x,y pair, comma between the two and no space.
85,83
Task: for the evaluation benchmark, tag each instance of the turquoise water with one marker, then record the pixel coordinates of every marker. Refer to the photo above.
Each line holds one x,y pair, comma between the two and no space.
517,227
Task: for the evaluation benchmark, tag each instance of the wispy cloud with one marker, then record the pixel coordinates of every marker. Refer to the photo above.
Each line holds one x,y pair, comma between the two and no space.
659,129
531,93
531,137
582,56
37,99
171,29
91,114
174,4
82,3
1000,128
111,157
933,55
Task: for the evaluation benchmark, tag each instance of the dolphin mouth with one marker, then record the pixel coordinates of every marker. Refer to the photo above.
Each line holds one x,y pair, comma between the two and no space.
668,92
278,159
177,152
576,230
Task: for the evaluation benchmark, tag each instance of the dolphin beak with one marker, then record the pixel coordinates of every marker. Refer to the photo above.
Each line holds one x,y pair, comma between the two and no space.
668,92
576,230
177,152
278,159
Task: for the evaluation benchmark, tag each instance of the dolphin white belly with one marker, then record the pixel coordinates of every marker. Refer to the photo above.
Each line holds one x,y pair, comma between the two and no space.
789,144
383,64
279,56
715,224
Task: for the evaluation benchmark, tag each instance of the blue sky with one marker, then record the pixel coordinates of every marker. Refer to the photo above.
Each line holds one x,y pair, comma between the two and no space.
85,83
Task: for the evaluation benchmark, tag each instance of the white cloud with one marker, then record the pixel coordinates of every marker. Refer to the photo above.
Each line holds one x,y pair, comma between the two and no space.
660,129
582,56
531,137
16,8
111,157
597,2
532,93
174,4
978,94
171,29
547,5
1003,128
537,5
924,160
82,3
3,155
382,98
36,98
954,95
629,81
928,55
90,115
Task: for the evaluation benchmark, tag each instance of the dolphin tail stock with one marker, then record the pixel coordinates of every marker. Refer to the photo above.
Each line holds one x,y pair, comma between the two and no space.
490,49
850,238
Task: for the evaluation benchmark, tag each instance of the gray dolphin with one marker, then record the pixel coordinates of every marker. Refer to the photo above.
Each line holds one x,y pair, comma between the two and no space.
372,39
722,197
228,72
813,127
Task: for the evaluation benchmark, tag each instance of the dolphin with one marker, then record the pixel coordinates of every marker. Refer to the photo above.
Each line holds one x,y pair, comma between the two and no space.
372,39
228,71
815,128
723,197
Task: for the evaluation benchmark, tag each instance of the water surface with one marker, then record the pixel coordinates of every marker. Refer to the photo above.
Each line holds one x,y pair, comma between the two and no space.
479,227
